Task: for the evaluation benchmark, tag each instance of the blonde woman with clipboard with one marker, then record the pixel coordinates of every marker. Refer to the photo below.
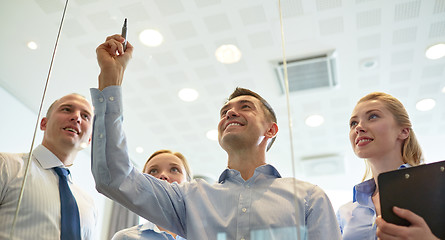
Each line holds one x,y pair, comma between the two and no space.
381,133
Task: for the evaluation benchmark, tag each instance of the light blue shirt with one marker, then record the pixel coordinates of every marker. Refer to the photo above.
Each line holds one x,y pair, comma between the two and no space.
147,231
357,218
264,207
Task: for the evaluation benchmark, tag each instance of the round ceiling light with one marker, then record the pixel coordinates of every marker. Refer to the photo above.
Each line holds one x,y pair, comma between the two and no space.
188,94
425,104
436,51
368,64
139,149
151,37
314,120
228,54
32,45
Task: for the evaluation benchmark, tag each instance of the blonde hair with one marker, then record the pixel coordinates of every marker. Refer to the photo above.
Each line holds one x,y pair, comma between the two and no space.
411,150
188,172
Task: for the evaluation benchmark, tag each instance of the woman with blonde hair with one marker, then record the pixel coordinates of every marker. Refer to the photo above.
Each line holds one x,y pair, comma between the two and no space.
381,133
171,167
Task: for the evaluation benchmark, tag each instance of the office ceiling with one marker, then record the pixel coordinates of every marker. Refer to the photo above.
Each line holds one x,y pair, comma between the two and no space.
389,36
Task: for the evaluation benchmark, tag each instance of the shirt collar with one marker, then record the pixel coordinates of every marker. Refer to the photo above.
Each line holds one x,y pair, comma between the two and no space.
46,158
263,169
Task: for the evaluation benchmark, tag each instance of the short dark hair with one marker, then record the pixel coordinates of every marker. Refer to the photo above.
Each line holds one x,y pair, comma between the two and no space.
270,113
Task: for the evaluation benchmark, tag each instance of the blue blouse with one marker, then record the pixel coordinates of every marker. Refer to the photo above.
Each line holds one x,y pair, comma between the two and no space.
357,218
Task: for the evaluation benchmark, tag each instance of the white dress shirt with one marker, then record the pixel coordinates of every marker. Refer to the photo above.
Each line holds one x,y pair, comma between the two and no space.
39,214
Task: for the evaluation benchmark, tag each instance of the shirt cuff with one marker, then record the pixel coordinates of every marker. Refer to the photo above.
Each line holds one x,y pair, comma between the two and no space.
108,100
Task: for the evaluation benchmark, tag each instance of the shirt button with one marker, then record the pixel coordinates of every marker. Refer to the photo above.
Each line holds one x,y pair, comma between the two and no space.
101,135
101,99
242,238
111,98
244,209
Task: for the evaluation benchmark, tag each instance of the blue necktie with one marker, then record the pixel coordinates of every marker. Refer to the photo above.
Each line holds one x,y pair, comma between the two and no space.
70,221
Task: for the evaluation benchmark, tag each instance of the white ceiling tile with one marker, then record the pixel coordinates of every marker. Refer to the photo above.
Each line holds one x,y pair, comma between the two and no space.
102,20
162,98
206,3
401,76
86,49
73,28
291,8
260,39
138,65
369,18
175,114
331,26
159,129
364,1
437,29
238,67
327,4
369,82
402,57
217,23
196,52
206,72
429,89
50,6
165,59
369,42
135,12
405,35
439,6
433,71
145,115
86,2
408,10
177,78
149,82
217,89
253,15
183,30
169,7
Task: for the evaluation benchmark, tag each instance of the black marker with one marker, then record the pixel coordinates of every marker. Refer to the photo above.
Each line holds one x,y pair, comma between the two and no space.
124,34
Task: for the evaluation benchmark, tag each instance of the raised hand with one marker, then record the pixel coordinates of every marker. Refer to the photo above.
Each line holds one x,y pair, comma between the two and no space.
112,60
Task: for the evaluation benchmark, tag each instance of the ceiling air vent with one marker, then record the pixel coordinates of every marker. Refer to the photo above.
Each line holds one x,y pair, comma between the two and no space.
316,72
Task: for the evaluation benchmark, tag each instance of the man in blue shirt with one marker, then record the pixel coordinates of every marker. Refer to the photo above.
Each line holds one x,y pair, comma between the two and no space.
250,200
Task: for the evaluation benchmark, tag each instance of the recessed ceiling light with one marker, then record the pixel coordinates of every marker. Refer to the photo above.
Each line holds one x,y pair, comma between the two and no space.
436,51
443,89
228,54
314,120
32,45
139,149
188,94
368,64
151,37
425,104
212,135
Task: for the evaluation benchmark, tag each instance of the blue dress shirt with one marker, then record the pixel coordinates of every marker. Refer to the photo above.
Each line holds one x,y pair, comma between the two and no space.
264,207
357,218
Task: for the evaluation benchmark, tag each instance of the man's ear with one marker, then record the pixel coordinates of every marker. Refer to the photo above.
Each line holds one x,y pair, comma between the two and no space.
43,123
404,133
272,131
